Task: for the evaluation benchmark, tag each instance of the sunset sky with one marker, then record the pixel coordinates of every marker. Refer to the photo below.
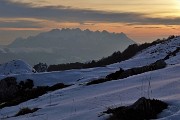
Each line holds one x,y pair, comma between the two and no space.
141,20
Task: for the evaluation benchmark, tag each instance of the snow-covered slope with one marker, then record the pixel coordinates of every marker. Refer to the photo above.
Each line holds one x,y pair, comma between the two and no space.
151,54
15,67
87,102
79,102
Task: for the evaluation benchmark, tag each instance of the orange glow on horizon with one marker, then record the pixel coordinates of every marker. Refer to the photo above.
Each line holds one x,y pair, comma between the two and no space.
141,32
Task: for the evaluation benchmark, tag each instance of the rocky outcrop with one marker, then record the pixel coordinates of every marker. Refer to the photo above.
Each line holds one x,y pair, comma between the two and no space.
142,109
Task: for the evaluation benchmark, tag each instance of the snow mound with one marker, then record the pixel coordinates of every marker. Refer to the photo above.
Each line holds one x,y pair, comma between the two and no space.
15,67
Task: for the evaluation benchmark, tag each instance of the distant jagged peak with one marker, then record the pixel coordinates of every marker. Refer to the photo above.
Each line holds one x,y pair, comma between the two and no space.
15,67
122,33
71,34
58,30
68,45
87,30
55,30
19,39
105,32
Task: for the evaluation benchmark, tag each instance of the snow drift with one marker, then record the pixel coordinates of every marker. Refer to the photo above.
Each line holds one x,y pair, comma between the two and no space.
15,67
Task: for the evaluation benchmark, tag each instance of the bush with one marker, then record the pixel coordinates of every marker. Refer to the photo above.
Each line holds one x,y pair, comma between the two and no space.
28,84
57,86
41,67
114,76
121,74
31,93
8,88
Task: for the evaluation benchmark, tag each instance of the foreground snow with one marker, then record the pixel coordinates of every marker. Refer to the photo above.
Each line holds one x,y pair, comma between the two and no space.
79,102
87,102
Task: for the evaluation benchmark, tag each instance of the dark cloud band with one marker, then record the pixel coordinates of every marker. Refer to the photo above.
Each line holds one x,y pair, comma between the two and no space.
68,14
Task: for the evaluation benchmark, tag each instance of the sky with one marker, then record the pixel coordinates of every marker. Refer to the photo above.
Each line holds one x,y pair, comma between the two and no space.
142,20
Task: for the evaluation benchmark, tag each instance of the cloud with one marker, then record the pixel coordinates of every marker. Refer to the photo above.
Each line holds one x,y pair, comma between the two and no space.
19,24
61,13
149,27
68,14
163,21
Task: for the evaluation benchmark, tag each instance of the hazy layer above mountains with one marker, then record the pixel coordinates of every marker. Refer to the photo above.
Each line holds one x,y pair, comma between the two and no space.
64,46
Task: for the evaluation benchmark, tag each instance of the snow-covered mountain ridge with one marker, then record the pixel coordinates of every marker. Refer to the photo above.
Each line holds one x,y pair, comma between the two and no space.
79,102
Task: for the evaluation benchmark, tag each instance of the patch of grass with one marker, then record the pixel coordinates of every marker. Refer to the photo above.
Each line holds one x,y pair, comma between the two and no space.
101,80
26,110
57,86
